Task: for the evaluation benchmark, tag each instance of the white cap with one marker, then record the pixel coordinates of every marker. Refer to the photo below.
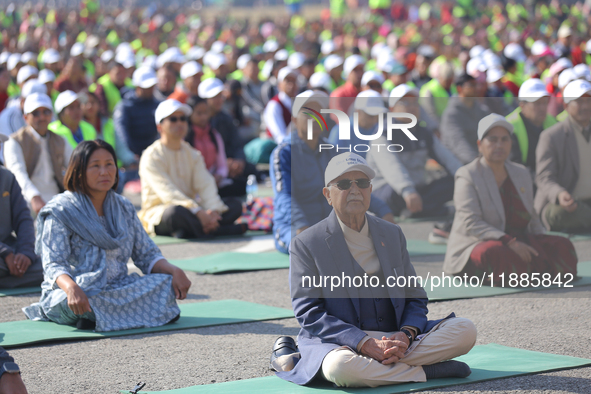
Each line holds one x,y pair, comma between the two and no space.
532,89
124,46
267,68
308,96
476,51
559,65
515,52
125,58
33,86
13,61
320,80
380,48
189,69
50,56
210,88
169,107
494,74
64,99
5,55
144,77
576,89
370,102
351,62
77,49
36,100
242,61
270,46
195,53
25,73
565,31
296,60
150,62
566,77
332,61
490,121
281,55
28,56
284,72
587,48
538,47
327,47
346,162
107,56
45,76
582,71
217,60
399,92
491,60
475,66
218,47
171,55
371,75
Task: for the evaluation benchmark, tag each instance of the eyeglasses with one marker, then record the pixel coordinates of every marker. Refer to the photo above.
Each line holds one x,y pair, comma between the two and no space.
345,184
174,119
37,113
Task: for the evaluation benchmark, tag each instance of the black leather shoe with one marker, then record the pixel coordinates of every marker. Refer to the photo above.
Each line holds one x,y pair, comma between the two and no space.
283,346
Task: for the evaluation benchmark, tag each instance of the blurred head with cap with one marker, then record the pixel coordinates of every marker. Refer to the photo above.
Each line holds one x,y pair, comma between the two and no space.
171,118
577,100
191,74
303,104
494,139
211,89
69,109
333,65
26,73
565,33
46,77
369,105
51,60
144,79
533,101
30,87
327,47
353,69
582,71
405,99
287,81
14,64
348,188
38,112
372,80
320,81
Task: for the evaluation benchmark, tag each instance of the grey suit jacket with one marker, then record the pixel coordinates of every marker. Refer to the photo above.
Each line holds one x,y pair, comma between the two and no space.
480,215
557,164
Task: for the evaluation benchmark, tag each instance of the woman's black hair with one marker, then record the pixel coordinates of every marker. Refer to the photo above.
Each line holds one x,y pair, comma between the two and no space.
75,178
192,102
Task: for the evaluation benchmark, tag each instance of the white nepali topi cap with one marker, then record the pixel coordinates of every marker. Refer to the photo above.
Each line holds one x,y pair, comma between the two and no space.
490,121
346,162
169,107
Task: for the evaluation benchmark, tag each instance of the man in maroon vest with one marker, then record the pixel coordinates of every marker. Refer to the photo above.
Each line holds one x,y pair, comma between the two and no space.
277,114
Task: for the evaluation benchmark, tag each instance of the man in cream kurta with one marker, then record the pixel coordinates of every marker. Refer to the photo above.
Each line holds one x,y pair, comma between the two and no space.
179,196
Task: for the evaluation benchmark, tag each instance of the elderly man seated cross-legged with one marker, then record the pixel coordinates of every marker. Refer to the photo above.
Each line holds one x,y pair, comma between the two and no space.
368,335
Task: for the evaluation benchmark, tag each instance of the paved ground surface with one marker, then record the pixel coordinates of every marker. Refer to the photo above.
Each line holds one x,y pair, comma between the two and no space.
550,321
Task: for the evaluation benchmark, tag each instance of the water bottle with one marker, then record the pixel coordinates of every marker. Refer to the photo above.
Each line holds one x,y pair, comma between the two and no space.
252,188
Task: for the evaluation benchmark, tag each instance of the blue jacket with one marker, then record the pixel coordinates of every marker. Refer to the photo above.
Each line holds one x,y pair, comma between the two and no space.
298,189
135,123
331,319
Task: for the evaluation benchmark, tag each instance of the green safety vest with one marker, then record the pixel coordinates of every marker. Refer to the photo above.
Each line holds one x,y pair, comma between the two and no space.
90,67
112,93
379,4
337,8
521,133
237,75
88,131
508,97
13,89
439,92
562,116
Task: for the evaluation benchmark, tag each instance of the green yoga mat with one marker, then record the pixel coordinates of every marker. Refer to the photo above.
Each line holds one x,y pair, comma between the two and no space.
19,291
487,362
455,293
572,237
237,261
164,240
233,261
198,314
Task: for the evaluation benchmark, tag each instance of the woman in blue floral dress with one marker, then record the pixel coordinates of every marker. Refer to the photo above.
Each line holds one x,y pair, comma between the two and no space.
85,237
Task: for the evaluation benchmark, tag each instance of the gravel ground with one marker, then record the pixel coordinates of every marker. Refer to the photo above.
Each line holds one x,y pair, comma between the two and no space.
554,321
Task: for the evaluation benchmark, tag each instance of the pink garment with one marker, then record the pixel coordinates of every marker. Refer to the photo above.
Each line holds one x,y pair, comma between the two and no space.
215,158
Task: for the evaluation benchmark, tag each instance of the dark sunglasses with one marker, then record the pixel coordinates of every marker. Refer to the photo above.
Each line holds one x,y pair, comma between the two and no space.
173,119
345,184
37,113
